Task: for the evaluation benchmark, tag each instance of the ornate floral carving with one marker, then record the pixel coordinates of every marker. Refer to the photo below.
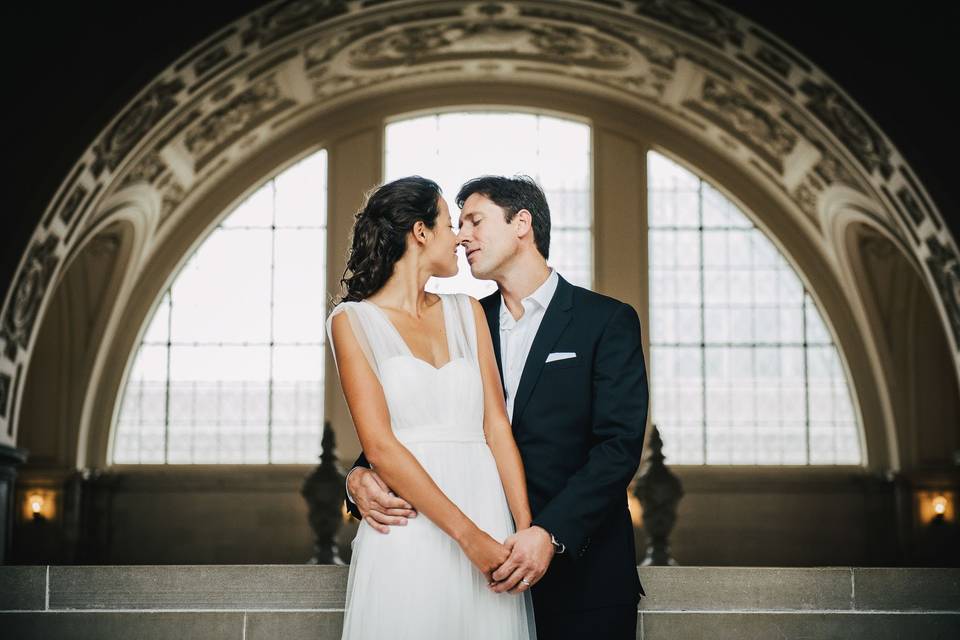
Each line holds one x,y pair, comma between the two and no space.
832,171
72,204
233,120
173,195
28,293
657,52
327,86
422,44
136,121
150,167
852,129
773,61
287,18
710,22
806,198
210,60
945,268
324,48
910,205
642,85
744,118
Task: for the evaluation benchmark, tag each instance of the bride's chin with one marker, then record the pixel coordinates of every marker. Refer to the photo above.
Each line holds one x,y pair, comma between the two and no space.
447,273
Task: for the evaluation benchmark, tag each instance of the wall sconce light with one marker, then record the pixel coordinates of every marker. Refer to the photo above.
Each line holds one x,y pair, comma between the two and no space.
936,505
939,505
38,504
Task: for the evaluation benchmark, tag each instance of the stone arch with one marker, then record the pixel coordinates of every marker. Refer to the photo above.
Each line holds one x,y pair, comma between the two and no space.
707,72
911,351
69,342
365,118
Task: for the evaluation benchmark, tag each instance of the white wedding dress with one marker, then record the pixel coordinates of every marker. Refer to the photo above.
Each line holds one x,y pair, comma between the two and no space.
415,582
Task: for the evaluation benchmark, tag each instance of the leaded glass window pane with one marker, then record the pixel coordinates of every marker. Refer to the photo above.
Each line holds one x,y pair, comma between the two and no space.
452,148
230,367
743,368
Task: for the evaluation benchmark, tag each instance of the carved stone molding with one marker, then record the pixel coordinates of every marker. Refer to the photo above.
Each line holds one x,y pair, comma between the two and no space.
114,145
20,314
6,382
850,127
709,22
746,117
230,122
282,19
725,81
465,40
945,267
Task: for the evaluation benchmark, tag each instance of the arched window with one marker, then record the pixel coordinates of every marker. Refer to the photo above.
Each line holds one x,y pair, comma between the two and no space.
452,148
743,369
230,369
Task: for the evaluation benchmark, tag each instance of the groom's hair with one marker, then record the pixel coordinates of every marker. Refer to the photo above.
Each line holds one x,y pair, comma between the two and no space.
512,195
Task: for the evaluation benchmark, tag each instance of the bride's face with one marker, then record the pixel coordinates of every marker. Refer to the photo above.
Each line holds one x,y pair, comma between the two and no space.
442,249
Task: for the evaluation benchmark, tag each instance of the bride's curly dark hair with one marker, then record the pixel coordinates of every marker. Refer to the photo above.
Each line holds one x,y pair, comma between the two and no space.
380,229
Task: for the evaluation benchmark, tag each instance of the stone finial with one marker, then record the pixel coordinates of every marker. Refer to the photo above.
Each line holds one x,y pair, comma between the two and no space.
323,491
659,492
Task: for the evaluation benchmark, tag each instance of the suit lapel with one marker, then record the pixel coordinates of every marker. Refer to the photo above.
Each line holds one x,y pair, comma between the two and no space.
555,320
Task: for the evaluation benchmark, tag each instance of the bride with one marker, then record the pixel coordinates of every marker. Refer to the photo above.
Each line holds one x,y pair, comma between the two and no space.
419,376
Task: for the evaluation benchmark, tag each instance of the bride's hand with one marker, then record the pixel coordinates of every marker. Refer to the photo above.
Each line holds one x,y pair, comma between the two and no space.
484,552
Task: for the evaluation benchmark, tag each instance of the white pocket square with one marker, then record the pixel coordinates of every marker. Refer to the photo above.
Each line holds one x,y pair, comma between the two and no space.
560,355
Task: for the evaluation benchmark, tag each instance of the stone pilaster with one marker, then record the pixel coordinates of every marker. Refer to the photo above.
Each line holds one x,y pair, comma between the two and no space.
10,459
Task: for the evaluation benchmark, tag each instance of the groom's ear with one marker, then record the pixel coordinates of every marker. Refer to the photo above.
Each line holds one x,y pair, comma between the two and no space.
524,221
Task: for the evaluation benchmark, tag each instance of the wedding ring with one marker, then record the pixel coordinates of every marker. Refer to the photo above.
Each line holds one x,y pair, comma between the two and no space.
524,581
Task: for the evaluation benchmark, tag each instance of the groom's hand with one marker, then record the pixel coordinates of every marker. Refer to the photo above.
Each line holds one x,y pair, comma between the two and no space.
530,554
377,504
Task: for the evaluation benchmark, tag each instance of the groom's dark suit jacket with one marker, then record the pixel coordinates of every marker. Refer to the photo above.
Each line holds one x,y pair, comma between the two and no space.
579,425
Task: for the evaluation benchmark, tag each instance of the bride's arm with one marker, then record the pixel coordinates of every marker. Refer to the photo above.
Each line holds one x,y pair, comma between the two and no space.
393,462
496,425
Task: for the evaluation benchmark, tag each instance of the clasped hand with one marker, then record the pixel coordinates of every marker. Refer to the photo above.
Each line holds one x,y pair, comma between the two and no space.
513,567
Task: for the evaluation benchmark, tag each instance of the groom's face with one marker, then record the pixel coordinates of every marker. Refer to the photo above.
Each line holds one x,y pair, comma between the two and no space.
487,238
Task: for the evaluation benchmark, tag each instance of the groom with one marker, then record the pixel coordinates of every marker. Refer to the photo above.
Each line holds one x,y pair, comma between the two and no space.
576,391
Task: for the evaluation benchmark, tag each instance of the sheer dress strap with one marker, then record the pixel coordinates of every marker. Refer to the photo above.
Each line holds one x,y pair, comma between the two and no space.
375,340
466,326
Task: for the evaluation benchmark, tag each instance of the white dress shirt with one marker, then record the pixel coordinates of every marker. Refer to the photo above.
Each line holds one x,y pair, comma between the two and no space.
516,336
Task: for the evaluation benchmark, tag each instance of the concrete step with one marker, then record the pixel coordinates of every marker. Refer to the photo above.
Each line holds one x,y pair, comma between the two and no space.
248,602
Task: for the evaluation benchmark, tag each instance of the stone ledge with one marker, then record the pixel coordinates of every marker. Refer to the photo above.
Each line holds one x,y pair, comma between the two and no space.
889,589
320,625
321,588
198,587
763,626
23,587
745,588
142,625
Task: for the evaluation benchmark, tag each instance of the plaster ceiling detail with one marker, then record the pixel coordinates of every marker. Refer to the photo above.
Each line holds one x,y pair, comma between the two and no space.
705,69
